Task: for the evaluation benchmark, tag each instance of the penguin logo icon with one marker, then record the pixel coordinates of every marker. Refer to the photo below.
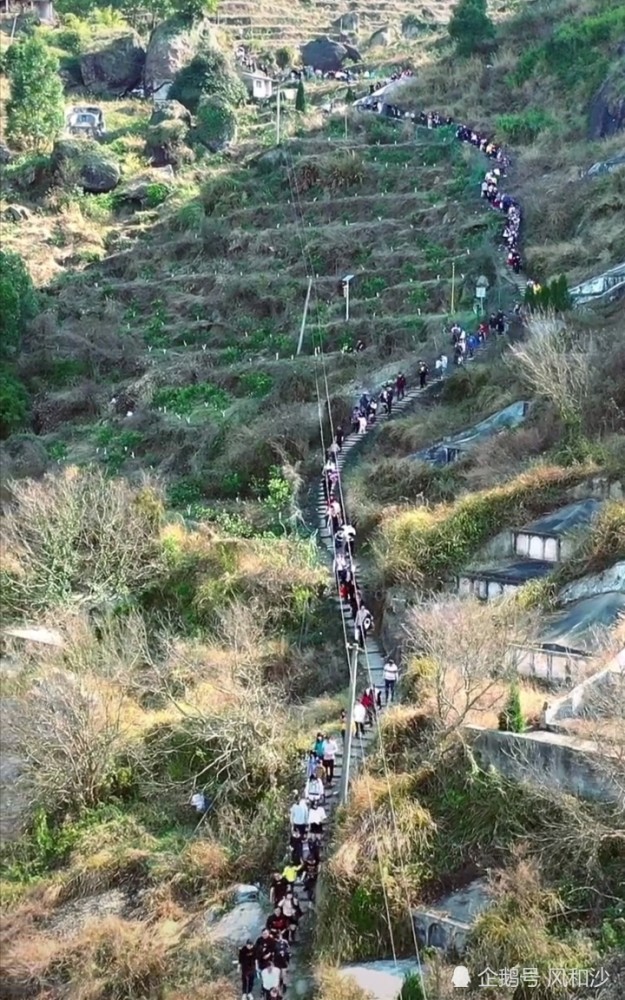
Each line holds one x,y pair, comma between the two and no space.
461,978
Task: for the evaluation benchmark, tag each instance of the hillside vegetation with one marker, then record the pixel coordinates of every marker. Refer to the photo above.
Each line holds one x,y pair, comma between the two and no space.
160,438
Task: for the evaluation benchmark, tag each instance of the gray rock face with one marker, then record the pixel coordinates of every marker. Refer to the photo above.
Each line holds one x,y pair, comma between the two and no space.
5,154
141,190
350,21
382,38
324,54
167,133
115,69
607,166
607,109
78,161
171,48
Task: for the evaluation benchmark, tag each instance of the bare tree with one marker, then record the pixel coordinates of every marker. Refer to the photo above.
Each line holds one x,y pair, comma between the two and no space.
465,646
78,538
555,362
69,734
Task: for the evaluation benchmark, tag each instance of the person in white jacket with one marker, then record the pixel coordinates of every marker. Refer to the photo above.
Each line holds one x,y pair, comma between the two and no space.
360,717
391,673
299,816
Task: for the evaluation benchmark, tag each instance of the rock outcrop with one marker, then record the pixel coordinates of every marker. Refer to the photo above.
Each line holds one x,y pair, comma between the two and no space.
167,133
173,46
607,109
82,162
382,38
148,189
324,54
216,125
115,69
350,21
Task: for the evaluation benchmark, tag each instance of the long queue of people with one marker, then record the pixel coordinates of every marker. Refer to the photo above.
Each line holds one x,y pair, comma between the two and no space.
292,890
490,187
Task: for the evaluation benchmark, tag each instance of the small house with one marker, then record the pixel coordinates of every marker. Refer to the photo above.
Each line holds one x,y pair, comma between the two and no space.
85,120
258,84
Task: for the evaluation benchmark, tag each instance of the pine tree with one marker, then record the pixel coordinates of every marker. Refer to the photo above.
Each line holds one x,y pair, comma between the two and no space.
300,100
35,112
470,26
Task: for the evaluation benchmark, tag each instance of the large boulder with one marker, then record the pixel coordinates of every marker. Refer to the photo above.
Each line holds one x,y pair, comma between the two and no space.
167,134
607,166
209,74
148,189
607,109
116,68
324,54
382,38
173,46
216,125
84,163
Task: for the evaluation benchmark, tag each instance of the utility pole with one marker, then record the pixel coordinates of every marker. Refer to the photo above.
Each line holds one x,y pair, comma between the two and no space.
349,727
303,326
453,286
278,117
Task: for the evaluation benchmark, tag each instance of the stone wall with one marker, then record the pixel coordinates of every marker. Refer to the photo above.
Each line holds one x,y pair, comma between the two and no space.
549,760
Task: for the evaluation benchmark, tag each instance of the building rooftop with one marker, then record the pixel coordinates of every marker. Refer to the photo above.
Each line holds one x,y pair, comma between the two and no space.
558,522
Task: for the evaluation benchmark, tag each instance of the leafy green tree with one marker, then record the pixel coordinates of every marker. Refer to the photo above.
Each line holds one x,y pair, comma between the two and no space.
13,401
300,99
208,75
470,27
35,112
284,57
18,302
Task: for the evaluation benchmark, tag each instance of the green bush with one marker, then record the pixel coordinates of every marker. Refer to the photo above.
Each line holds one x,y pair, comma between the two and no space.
470,27
183,400
524,126
424,546
13,402
511,719
257,384
18,302
208,75
285,56
35,111
157,193
216,124
300,98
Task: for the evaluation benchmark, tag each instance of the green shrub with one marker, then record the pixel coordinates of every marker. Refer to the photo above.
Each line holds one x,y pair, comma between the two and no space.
470,27
524,126
157,193
18,302
216,124
35,111
13,402
300,98
424,546
208,75
285,56
183,400
511,719
257,384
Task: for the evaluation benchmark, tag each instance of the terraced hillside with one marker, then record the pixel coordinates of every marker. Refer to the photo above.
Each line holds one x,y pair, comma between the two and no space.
173,627
211,353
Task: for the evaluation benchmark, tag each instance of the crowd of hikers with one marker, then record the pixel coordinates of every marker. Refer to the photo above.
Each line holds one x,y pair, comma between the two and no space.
292,890
491,189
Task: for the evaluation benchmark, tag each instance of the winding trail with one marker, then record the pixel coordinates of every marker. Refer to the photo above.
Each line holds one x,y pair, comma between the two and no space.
373,654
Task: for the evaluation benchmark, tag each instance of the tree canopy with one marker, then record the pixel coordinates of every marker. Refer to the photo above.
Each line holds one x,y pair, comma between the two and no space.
470,26
36,111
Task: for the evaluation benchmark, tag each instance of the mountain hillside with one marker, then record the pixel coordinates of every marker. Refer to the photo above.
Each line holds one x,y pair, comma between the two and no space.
178,350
